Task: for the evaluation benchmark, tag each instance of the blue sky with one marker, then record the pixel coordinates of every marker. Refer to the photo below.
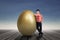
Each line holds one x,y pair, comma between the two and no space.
10,10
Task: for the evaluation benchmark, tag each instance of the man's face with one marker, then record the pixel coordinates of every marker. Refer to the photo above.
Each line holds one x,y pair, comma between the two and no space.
37,11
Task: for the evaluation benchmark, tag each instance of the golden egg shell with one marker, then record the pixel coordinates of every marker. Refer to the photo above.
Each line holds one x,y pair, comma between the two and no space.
26,23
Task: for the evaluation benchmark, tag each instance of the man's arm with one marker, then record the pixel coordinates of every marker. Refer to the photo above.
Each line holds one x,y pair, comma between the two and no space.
41,18
35,16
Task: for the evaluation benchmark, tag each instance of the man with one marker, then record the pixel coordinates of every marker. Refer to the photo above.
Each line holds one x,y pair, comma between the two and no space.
39,18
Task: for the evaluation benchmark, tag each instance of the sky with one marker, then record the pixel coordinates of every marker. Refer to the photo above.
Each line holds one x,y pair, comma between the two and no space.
11,9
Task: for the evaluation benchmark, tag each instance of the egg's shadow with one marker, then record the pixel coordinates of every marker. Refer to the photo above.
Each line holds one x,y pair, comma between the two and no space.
34,37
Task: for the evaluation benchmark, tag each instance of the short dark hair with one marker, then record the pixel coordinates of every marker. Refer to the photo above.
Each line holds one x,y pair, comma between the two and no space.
37,10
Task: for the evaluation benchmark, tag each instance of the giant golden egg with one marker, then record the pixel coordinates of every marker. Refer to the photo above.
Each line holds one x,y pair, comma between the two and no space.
26,23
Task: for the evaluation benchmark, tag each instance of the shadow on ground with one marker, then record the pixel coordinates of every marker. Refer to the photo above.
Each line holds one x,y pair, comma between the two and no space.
34,37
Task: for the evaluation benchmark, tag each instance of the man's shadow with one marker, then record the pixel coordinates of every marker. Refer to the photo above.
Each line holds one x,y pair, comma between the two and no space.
39,37
29,37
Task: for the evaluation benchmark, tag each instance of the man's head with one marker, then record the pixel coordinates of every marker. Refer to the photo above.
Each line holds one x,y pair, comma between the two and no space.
37,11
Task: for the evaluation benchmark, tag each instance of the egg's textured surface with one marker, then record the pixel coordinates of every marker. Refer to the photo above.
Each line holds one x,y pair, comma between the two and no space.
26,23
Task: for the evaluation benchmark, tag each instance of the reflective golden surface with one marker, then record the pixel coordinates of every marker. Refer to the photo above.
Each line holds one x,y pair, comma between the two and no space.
26,23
